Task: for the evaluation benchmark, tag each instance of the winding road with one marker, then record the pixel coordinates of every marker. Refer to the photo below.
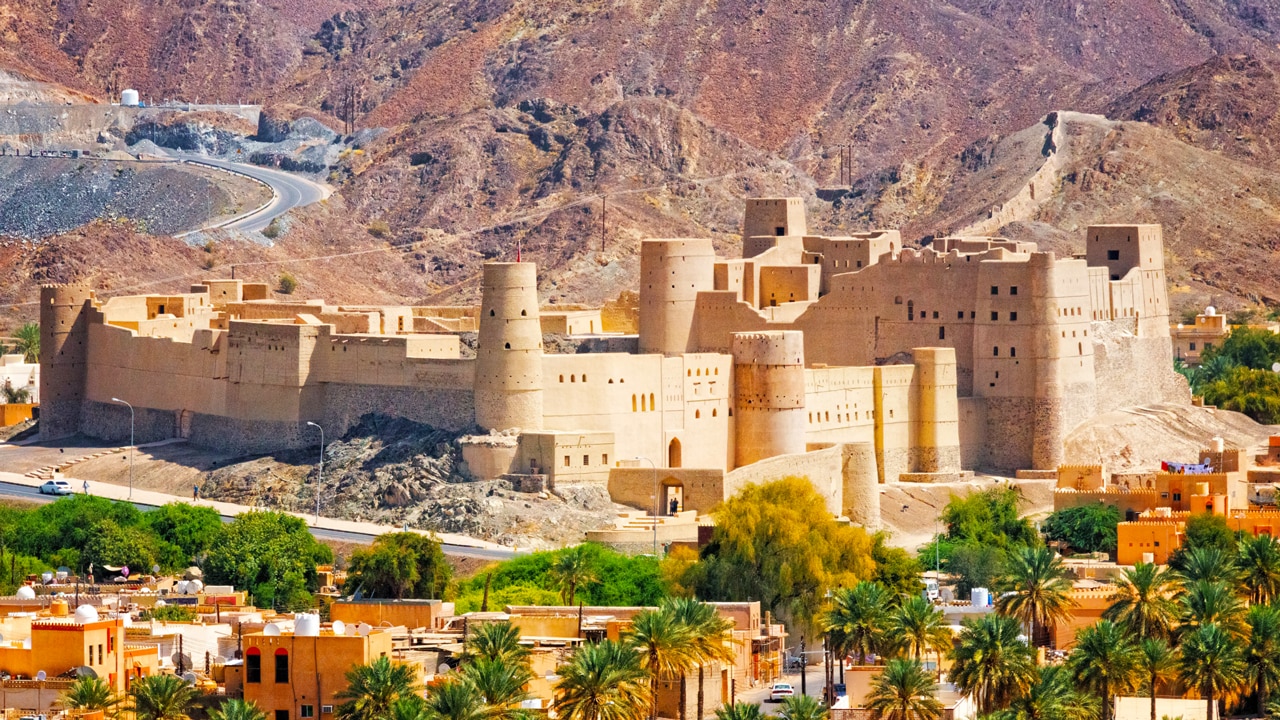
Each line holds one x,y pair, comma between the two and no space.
291,191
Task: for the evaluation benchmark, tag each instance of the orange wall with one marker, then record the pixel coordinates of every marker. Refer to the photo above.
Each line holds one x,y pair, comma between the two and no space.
1148,536
409,614
317,668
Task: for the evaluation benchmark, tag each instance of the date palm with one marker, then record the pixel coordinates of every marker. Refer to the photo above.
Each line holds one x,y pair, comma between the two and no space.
1052,697
1104,661
501,685
920,627
572,569
1038,591
373,688
90,693
666,645
161,697
1144,602
453,699
1213,603
1263,652
859,620
992,664
411,708
26,340
712,640
604,681
1157,663
1208,564
740,711
1259,563
237,710
1212,664
802,707
904,691
495,641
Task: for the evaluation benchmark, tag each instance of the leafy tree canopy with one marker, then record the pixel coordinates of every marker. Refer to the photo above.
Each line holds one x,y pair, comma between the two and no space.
1088,528
400,565
528,580
272,555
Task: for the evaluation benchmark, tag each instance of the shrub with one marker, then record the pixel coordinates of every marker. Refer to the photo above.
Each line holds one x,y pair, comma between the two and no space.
272,231
1088,528
379,228
288,283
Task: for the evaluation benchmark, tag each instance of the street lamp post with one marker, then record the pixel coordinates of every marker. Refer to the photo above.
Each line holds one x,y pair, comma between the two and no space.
320,475
655,503
131,426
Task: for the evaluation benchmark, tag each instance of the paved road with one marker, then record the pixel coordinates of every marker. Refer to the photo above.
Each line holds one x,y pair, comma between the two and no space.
291,190
28,492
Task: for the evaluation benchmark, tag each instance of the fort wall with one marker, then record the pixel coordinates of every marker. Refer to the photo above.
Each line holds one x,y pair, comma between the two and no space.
64,343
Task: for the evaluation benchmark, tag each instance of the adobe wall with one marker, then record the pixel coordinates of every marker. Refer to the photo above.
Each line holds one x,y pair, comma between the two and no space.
824,468
672,273
895,441
1134,371
110,421
508,372
972,412
861,492
704,489
769,380
64,341
774,216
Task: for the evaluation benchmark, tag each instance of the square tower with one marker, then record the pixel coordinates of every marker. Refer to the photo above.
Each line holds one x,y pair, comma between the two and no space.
779,217
1121,248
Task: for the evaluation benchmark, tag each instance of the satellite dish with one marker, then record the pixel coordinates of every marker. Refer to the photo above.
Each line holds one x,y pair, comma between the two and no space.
443,669
1275,367
364,629
190,677
339,627
85,671
271,630
182,659
155,569
41,676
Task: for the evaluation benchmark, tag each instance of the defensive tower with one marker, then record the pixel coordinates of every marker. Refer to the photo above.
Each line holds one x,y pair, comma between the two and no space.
508,387
937,411
64,345
779,217
672,273
768,372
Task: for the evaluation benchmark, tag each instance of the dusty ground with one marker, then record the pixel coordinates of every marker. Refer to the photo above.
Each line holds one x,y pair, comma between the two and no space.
909,510
1140,438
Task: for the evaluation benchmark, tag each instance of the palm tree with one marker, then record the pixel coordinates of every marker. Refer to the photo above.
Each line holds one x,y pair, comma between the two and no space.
1156,662
1208,564
1259,563
667,646
1212,603
574,568
90,693
1263,652
1144,603
372,689
712,636
859,620
1105,661
411,708
496,641
453,699
920,627
904,691
1052,697
1212,664
26,340
992,665
237,710
740,711
161,697
1037,589
604,681
501,685
802,707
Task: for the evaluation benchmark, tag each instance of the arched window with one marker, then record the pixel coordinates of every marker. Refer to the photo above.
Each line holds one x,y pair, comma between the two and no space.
673,453
584,377
573,378
697,414
713,412
282,666
253,665
561,378
524,313
652,405
492,313
633,401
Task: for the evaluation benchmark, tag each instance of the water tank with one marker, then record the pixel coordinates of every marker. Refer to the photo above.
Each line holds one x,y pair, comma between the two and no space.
46,576
271,630
183,586
1219,445
59,608
1149,558
129,98
195,586
26,593
306,625
86,614
980,597
1211,310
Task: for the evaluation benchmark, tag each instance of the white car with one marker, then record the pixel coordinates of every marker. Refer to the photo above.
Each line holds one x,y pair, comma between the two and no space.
780,691
56,487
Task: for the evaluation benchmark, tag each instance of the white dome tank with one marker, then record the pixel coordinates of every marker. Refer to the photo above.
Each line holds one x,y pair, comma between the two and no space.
26,593
1211,310
271,630
306,625
129,98
86,614
194,586
183,587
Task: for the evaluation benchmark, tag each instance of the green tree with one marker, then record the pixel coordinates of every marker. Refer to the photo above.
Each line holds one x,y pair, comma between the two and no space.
110,544
271,554
1256,348
527,580
1207,530
191,528
501,684
26,340
1263,652
666,645
411,708
1143,602
1255,393
779,544
604,681
71,522
235,709
574,568
454,699
90,693
1209,564
374,688
919,627
400,565
896,569
496,641
973,565
1157,663
1038,590
161,697
1213,603
1259,564
712,640
860,620
170,613
1051,696
991,518
802,707
1105,661
904,691
287,283
740,711
1212,664
1087,528
991,664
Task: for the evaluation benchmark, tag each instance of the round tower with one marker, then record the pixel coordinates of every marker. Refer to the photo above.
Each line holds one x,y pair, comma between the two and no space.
768,372
860,499
64,348
508,386
937,410
672,273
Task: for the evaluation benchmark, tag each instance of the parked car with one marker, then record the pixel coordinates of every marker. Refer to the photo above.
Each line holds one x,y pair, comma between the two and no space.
56,487
780,691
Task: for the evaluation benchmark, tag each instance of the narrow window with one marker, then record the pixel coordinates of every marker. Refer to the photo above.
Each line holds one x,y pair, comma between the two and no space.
995,290
1013,352
1013,317
651,403
282,666
604,459
714,412
911,310
697,414
633,397
253,666
935,314
566,461
994,316
573,378
995,352
942,333
561,378
586,461
1013,290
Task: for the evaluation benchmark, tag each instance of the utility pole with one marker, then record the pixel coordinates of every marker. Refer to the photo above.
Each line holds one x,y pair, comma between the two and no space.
604,211
804,662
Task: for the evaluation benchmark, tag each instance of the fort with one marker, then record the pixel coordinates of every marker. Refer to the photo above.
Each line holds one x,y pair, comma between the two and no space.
851,360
